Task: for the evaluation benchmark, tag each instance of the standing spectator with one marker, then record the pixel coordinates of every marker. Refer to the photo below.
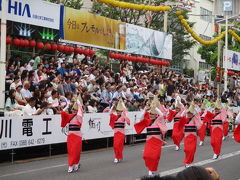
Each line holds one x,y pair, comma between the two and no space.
37,61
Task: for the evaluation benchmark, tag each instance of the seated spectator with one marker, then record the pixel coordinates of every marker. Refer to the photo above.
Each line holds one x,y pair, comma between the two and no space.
54,102
26,94
30,65
45,109
15,83
12,108
19,98
30,109
92,107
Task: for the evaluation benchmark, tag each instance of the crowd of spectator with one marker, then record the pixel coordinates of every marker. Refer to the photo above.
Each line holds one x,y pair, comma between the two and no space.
47,85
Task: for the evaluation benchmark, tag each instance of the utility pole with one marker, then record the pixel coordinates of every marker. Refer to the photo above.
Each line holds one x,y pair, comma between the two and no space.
3,53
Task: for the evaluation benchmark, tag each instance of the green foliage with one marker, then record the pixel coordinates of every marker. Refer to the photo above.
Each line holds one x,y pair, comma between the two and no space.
189,72
76,4
209,53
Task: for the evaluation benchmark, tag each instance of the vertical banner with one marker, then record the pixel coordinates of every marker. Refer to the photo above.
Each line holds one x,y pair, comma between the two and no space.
233,60
84,27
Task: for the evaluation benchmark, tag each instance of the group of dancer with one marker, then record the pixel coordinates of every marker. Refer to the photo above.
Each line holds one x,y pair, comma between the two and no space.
188,123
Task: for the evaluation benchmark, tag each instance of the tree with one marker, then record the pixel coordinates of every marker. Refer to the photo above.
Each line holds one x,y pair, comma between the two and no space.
76,4
157,19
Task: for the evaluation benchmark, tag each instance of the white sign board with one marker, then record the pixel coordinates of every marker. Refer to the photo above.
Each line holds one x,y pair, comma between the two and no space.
148,42
233,60
227,5
19,132
34,12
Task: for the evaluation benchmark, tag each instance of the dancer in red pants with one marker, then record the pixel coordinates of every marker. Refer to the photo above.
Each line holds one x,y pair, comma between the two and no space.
191,122
177,133
156,128
226,123
203,129
236,133
74,138
216,119
117,122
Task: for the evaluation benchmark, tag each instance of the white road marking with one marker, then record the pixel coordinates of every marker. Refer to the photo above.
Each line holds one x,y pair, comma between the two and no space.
201,163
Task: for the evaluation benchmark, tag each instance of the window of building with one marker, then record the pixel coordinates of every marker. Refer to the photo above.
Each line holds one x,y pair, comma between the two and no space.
203,65
206,15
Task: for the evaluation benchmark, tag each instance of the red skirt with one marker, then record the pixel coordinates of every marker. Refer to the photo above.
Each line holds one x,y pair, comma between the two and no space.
74,147
177,134
202,132
236,134
225,128
118,144
216,139
152,153
190,144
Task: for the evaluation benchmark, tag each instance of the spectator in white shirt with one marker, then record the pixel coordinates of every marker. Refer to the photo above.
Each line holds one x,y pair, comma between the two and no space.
30,65
92,107
30,109
15,83
26,94
54,102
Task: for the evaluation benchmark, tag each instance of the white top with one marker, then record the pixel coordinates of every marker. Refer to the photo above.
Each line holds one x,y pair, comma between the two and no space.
26,93
28,110
54,102
237,121
92,109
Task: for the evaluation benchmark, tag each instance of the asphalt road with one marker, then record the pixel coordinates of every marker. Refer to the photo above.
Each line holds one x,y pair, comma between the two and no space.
98,165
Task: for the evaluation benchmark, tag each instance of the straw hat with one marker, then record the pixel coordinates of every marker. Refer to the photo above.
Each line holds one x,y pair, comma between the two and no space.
191,109
217,104
75,106
120,106
155,103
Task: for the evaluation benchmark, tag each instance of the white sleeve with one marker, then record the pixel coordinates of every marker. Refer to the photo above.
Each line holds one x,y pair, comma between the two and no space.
159,112
237,121
142,115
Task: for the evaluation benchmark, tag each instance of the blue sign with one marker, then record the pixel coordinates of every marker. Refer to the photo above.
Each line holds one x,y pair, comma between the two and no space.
227,5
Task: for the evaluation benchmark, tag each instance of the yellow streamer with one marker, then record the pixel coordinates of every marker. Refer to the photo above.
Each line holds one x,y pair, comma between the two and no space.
128,5
195,36
234,34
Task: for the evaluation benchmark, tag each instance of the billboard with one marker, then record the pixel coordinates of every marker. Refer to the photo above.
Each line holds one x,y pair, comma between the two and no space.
88,28
148,42
34,12
233,60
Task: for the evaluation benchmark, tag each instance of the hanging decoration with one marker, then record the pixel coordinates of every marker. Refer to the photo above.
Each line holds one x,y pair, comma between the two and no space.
8,40
234,34
54,47
48,46
32,43
194,35
120,56
139,7
16,42
40,45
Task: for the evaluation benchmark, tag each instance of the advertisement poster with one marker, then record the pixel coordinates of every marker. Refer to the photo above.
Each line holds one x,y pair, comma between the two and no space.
84,27
233,60
144,41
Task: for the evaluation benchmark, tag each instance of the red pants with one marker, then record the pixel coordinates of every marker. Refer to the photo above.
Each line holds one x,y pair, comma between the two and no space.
152,153
74,147
236,134
177,135
118,144
190,144
202,132
225,128
216,139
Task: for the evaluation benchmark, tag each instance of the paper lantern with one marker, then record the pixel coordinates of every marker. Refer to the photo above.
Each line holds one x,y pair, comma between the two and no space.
8,40
91,52
218,79
86,52
239,74
48,46
54,47
66,49
60,48
231,73
40,45
16,42
71,49
32,43
79,50
26,43
22,42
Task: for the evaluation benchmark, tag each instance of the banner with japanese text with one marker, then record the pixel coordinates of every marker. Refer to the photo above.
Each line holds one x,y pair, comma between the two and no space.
233,60
20,132
34,12
84,27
